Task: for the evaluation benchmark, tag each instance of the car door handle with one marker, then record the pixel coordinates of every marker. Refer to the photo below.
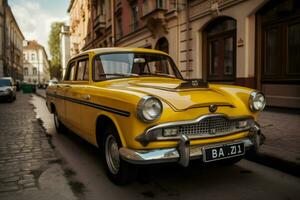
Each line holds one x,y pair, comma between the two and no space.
67,86
86,97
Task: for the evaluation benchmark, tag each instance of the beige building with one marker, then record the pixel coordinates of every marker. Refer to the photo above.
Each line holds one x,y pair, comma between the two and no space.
64,40
90,23
253,43
11,39
36,64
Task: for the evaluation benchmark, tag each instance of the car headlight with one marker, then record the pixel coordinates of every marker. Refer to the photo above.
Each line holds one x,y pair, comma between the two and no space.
257,101
149,109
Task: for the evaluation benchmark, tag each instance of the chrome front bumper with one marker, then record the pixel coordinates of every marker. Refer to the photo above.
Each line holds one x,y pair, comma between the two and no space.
183,153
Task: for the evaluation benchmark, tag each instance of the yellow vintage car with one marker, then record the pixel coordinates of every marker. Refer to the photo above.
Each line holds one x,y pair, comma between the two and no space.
134,105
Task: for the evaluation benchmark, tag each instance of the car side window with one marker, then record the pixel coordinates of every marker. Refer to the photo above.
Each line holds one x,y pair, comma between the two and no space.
82,70
71,72
86,71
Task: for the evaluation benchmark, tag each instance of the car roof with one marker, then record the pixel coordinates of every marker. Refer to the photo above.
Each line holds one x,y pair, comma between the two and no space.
120,49
6,78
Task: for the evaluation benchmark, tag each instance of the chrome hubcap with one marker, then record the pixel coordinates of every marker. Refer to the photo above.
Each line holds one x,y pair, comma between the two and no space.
112,154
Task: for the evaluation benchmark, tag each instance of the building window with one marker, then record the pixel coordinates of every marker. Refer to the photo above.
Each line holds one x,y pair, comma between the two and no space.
100,7
25,71
134,12
119,32
281,45
163,45
32,56
159,4
34,71
221,52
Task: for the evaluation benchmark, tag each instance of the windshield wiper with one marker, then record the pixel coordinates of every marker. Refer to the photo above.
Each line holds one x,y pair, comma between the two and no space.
158,74
117,74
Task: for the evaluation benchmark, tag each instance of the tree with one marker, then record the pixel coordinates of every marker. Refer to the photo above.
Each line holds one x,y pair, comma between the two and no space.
54,47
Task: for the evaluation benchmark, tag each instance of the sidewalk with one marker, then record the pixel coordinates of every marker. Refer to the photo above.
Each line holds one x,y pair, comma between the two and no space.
27,161
41,93
281,148
282,145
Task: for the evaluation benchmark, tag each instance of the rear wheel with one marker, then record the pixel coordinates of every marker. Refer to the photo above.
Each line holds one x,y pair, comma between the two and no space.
60,128
119,171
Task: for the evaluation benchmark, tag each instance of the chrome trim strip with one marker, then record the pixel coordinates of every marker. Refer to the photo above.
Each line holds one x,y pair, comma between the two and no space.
149,156
153,156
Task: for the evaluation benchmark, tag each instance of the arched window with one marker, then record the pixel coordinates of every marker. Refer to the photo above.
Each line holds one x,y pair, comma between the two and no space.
221,49
25,71
162,44
34,71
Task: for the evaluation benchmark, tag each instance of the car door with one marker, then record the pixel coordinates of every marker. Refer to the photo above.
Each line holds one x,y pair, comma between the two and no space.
74,93
86,110
60,102
70,106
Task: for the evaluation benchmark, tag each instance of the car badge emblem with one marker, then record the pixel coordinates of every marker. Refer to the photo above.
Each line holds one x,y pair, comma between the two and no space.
213,108
212,131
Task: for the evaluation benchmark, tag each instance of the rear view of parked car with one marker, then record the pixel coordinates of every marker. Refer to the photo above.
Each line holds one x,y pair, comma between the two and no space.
7,89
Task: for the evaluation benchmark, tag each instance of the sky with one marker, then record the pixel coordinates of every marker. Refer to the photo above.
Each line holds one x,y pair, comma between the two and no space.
35,17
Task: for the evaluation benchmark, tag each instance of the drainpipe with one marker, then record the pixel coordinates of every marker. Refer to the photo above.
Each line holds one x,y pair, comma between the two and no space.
113,31
178,34
38,66
4,38
188,69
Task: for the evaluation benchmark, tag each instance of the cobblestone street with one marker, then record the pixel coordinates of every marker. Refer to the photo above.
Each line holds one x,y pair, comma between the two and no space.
25,152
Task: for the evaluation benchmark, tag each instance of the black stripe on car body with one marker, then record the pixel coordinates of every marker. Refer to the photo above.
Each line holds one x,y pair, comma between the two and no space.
101,107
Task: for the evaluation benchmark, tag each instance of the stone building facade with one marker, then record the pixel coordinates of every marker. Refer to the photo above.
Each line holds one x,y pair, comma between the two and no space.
36,64
90,24
11,40
253,43
64,40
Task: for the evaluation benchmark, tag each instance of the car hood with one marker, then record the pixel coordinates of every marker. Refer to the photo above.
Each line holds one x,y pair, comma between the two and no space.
179,99
3,88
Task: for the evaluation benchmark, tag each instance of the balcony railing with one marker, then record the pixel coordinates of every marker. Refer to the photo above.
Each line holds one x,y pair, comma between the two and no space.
99,21
154,5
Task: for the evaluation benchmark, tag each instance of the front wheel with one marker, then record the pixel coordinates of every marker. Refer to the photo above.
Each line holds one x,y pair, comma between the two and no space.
119,171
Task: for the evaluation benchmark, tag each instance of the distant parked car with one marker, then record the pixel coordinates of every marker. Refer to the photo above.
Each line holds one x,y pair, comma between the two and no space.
52,82
7,89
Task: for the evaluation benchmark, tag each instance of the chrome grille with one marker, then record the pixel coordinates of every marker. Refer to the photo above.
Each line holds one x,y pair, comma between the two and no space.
210,126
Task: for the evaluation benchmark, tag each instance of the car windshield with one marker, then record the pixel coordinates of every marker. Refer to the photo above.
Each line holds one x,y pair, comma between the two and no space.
5,82
116,65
